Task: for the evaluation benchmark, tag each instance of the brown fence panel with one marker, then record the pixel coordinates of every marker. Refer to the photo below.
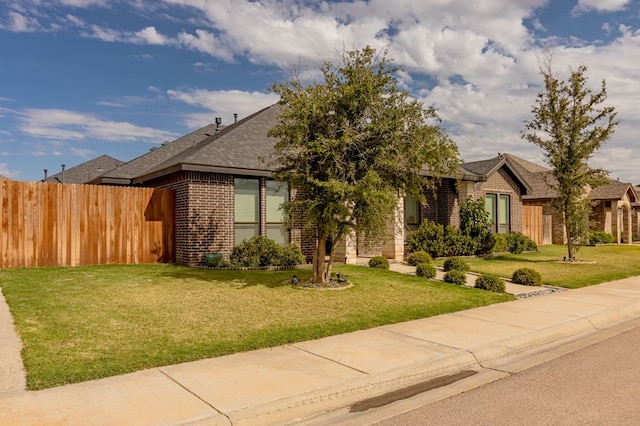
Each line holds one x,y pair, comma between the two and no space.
50,224
532,223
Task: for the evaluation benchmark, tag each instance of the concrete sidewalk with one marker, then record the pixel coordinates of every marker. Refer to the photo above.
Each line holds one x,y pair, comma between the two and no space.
290,383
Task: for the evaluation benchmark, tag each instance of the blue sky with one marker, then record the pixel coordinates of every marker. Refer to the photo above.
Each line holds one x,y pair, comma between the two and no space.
82,78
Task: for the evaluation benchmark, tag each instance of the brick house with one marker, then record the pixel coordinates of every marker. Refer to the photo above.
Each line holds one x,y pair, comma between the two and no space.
613,212
224,192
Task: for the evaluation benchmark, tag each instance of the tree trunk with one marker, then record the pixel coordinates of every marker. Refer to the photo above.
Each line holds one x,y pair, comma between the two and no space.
569,231
318,260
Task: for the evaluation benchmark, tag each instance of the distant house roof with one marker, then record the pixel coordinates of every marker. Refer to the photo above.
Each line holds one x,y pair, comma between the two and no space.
486,168
538,177
87,171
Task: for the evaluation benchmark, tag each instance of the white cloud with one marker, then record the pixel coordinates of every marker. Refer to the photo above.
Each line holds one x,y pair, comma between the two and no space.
70,125
221,103
20,23
600,6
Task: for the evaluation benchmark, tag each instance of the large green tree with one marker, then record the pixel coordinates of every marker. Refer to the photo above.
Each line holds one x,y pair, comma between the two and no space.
350,145
570,125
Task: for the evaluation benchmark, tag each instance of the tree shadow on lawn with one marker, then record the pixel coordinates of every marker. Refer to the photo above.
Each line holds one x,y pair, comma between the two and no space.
518,259
239,278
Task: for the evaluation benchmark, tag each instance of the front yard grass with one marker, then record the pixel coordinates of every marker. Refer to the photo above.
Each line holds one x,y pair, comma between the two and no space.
85,323
595,264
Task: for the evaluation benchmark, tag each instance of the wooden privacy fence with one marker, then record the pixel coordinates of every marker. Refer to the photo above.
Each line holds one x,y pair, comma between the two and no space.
532,223
50,224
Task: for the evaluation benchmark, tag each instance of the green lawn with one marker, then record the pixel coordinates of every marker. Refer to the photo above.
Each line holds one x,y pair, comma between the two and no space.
608,263
84,323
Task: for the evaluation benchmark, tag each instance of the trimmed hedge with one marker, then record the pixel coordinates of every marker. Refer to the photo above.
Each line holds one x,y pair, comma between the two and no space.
418,257
455,263
491,282
601,237
456,277
527,276
379,262
425,270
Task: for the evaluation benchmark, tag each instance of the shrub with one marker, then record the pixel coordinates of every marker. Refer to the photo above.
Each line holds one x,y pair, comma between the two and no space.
517,242
425,270
455,276
527,276
379,262
429,237
455,263
456,243
500,243
600,237
262,251
490,282
290,255
419,256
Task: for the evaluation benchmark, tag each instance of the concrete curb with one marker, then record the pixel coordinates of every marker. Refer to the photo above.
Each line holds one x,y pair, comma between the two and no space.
305,406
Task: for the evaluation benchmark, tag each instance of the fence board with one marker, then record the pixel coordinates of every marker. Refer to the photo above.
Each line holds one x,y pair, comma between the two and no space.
532,223
50,224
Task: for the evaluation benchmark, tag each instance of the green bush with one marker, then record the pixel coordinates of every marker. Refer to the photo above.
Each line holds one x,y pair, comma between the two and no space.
419,256
490,282
601,237
429,237
441,241
527,276
517,242
425,270
290,255
455,263
500,243
262,251
455,276
379,262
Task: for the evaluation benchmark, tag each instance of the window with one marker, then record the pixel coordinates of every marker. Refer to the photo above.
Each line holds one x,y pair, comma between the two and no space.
411,213
247,208
250,208
498,206
504,214
277,193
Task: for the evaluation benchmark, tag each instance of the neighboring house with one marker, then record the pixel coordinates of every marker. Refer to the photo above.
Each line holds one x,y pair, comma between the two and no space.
612,211
85,172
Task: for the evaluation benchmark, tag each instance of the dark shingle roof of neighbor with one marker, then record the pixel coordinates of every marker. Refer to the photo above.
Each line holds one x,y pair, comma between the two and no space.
486,168
87,171
538,176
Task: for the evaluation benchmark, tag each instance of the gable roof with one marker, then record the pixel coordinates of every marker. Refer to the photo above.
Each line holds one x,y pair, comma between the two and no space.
87,171
537,176
488,167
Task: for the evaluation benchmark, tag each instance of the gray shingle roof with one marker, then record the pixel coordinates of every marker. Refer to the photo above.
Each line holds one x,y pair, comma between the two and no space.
486,168
87,171
157,155
537,176
241,148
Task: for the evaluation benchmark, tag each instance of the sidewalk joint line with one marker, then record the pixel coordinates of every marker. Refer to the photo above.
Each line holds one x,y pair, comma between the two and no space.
195,395
329,359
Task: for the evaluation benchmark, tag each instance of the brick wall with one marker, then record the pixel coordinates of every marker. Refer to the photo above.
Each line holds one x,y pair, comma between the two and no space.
442,204
204,214
503,183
